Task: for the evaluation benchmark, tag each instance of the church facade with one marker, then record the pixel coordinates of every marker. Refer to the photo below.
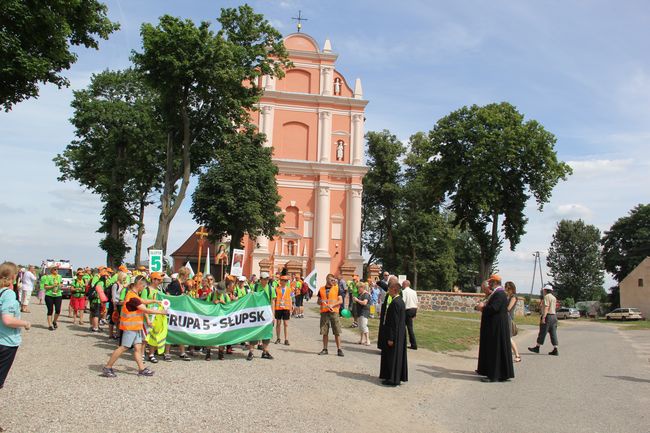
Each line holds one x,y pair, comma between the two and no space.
314,120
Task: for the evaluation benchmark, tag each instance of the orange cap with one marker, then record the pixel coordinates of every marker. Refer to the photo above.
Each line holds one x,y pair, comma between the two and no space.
142,268
123,268
156,276
103,273
495,277
109,270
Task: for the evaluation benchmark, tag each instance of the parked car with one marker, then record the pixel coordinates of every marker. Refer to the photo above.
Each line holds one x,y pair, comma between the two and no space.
567,313
625,314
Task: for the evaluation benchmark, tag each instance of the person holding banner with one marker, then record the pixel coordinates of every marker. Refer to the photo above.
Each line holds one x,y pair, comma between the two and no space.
330,300
132,317
262,286
156,334
240,288
178,287
283,308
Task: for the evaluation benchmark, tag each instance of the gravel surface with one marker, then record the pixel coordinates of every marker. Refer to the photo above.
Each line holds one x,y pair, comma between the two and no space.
600,383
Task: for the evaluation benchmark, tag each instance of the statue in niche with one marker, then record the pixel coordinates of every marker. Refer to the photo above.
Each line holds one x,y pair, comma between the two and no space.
337,86
339,150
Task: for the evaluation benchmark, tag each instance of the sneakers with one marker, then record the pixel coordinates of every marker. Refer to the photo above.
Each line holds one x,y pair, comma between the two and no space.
101,322
554,352
323,352
108,372
249,357
95,330
339,352
534,349
153,359
266,355
184,357
145,372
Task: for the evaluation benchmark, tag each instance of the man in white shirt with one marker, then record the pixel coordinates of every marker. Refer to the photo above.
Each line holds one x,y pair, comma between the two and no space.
548,321
29,278
410,298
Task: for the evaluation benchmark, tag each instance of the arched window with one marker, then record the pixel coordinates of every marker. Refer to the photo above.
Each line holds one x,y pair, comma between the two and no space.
291,218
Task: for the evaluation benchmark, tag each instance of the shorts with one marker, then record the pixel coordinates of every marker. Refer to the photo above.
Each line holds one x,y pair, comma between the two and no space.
95,310
363,324
24,299
328,319
7,356
299,299
282,314
78,304
129,338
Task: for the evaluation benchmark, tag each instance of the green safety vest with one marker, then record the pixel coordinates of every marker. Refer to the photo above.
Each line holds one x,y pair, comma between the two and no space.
352,286
240,291
266,289
150,293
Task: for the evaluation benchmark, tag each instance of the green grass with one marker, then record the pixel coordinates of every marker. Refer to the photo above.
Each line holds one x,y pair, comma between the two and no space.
634,325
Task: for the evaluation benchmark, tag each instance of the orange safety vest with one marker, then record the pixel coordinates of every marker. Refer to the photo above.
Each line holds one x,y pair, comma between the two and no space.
329,300
283,302
130,320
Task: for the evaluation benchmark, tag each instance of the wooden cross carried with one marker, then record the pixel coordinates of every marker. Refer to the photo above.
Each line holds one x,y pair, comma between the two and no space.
201,234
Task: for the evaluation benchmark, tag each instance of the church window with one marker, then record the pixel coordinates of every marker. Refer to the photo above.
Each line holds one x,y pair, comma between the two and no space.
640,282
291,248
291,218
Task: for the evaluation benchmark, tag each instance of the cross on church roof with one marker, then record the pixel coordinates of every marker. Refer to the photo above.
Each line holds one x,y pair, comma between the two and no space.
299,19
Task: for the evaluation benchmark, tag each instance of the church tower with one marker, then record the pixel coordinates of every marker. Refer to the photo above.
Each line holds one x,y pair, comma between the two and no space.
314,120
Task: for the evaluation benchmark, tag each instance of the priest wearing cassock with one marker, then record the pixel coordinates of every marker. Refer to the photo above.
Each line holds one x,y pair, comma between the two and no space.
494,354
394,368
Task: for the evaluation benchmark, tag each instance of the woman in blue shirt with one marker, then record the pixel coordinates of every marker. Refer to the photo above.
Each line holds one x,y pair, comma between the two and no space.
10,322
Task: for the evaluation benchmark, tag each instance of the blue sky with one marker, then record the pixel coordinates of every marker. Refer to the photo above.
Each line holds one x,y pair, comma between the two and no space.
579,67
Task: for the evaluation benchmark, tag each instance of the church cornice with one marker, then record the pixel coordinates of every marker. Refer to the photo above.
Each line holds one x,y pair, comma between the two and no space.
313,55
314,98
291,166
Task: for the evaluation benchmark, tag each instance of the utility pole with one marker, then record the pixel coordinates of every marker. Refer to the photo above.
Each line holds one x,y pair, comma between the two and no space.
537,263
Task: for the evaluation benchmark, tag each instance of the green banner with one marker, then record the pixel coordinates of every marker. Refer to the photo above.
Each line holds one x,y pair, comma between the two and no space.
199,323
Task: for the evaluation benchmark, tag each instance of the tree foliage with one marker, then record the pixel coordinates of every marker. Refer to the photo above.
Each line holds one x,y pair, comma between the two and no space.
627,242
35,40
487,162
575,262
117,152
207,85
382,196
238,193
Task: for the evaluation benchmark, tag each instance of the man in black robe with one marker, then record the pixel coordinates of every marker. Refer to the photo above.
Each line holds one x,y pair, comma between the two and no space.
494,354
394,368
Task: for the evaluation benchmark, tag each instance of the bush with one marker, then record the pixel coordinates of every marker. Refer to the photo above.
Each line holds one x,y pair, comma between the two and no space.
569,303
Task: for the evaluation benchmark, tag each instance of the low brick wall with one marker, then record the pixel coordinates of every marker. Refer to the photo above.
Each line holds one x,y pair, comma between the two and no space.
457,302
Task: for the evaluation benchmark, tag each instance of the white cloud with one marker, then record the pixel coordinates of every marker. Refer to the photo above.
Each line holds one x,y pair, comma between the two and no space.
573,211
599,167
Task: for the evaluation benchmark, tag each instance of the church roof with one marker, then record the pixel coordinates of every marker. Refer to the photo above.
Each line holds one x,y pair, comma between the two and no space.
190,247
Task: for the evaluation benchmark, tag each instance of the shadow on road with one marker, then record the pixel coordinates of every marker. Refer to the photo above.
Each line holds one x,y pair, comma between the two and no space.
630,379
38,326
446,373
122,370
461,356
353,347
303,352
363,377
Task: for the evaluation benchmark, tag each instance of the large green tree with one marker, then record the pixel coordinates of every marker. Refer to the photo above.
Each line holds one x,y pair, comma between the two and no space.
238,193
35,40
575,262
487,162
382,189
117,151
627,242
207,84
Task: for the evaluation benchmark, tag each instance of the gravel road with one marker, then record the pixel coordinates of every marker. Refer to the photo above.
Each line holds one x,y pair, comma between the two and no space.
600,383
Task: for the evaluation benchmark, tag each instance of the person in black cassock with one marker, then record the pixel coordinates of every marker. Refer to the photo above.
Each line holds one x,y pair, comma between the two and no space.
494,356
394,368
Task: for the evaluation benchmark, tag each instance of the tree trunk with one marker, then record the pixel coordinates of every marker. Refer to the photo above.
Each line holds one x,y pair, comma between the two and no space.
415,270
138,241
168,203
488,252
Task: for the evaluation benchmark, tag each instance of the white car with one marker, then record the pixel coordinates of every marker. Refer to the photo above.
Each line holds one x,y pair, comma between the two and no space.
567,313
625,314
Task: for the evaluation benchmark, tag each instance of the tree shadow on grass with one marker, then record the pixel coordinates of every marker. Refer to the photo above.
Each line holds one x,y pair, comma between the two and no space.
362,377
629,379
447,373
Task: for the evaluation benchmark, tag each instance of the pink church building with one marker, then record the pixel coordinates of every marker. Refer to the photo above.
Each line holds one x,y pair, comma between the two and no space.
314,120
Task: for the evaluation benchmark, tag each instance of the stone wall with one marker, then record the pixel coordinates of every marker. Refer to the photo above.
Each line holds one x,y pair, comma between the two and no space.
456,302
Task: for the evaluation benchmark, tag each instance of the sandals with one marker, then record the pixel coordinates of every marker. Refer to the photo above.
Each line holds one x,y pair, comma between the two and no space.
517,358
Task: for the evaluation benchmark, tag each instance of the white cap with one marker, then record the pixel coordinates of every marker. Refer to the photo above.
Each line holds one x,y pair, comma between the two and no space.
264,274
548,287
241,278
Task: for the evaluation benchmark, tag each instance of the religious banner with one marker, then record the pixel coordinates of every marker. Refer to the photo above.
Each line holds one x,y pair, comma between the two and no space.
199,323
237,267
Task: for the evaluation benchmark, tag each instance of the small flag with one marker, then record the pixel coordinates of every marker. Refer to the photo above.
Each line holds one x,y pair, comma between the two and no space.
189,267
206,270
312,280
